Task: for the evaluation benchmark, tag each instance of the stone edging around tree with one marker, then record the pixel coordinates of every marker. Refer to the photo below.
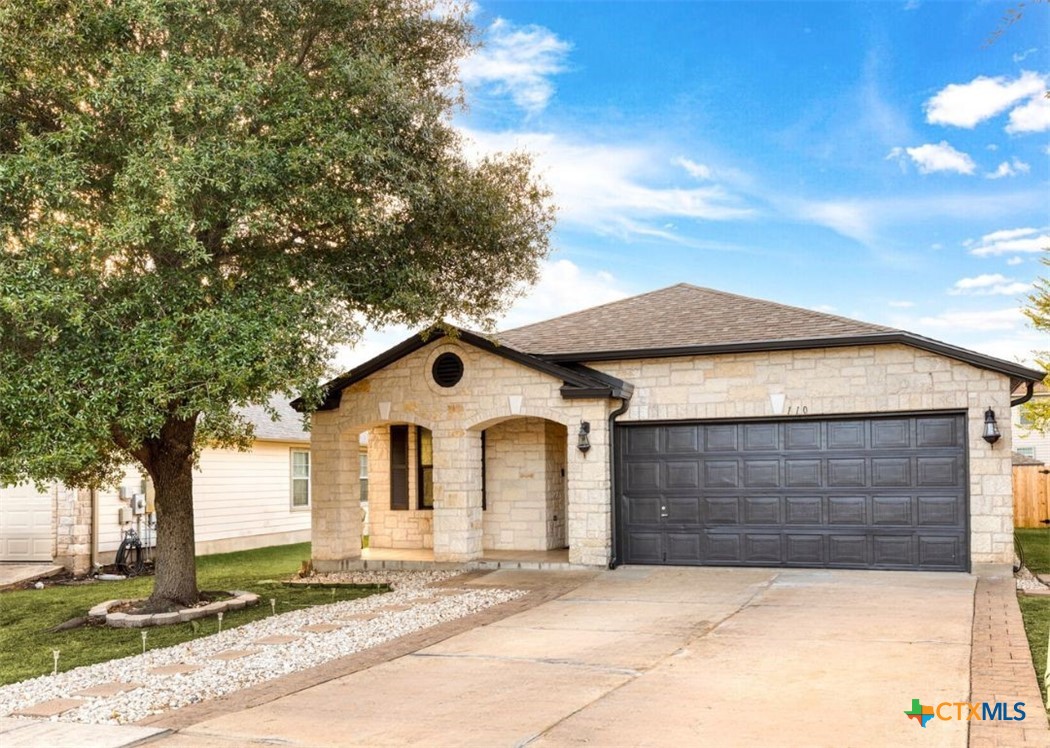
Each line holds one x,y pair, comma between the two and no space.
100,613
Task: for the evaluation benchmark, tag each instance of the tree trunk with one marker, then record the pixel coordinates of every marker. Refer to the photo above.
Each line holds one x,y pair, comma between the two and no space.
169,460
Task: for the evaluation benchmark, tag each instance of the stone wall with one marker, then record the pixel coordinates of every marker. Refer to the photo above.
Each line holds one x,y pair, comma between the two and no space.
556,442
411,528
519,457
832,381
72,524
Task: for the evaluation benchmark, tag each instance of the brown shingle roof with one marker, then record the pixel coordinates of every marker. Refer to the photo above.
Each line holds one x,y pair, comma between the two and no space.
680,316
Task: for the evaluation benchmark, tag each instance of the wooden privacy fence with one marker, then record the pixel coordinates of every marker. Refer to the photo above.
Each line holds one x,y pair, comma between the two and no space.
1031,495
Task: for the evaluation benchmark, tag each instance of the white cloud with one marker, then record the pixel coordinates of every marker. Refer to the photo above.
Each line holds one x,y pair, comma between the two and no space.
1031,117
967,104
1009,169
517,61
695,170
933,157
995,319
1011,241
563,287
611,188
1020,56
902,304
1015,261
989,284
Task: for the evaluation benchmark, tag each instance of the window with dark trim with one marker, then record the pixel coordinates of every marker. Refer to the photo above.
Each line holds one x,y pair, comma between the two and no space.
424,468
399,467
484,483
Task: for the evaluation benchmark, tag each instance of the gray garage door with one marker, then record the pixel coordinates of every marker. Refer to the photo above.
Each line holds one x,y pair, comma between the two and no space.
866,493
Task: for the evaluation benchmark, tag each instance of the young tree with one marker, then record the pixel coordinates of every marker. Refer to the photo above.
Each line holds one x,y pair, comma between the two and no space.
1037,410
199,199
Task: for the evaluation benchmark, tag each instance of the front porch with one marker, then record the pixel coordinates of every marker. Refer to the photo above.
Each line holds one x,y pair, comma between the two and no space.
500,461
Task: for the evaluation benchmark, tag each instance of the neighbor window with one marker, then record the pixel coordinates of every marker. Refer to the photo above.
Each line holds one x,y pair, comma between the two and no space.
300,478
1026,451
425,467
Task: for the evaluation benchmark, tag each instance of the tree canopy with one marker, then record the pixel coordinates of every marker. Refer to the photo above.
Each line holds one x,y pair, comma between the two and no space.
1037,410
201,199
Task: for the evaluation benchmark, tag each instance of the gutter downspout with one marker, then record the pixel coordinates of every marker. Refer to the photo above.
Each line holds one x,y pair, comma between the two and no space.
1029,391
625,403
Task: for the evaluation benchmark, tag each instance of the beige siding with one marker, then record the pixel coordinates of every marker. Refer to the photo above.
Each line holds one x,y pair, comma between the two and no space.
240,500
1025,436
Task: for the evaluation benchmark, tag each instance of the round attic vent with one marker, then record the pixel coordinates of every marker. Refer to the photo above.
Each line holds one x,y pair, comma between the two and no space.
447,370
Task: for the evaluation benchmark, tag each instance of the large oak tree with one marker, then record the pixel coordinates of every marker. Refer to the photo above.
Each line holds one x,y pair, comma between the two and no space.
200,199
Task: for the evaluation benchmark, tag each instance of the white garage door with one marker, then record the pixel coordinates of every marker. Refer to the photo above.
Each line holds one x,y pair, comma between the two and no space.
25,524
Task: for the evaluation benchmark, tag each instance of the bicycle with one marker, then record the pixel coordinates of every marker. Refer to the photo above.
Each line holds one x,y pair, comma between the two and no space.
131,558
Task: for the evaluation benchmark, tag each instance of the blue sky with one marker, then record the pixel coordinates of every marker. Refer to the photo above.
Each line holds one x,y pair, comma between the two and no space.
880,161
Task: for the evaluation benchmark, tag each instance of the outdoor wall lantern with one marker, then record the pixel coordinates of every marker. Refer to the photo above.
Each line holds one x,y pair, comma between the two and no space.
991,430
584,441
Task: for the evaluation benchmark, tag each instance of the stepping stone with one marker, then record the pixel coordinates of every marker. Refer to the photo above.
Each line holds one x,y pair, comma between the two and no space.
277,639
357,616
321,628
232,654
49,708
108,689
178,669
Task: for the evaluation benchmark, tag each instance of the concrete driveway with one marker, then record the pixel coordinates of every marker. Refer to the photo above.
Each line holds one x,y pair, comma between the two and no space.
658,656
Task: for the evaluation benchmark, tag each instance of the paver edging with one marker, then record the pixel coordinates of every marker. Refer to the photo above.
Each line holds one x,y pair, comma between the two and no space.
100,613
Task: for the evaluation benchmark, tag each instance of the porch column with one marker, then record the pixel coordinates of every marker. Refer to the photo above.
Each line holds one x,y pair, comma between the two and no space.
335,501
588,487
457,495
71,517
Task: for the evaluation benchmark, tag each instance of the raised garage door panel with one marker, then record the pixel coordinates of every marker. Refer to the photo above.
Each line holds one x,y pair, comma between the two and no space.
871,492
25,524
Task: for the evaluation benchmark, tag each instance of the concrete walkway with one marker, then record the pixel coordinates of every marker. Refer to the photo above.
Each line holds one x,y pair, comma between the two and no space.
656,656
12,575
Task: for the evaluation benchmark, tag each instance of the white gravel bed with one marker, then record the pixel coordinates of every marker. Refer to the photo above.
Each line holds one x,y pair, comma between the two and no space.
1026,580
160,693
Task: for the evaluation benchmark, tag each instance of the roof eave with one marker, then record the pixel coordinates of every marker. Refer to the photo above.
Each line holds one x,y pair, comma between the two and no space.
574,383
904,338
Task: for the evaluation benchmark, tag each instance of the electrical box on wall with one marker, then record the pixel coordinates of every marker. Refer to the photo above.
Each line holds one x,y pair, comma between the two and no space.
138,503
124,515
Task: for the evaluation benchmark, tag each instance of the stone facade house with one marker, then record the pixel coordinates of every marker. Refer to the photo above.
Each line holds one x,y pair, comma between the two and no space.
681,426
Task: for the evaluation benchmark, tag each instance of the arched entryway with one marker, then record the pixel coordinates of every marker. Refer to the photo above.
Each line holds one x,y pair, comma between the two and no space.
525,485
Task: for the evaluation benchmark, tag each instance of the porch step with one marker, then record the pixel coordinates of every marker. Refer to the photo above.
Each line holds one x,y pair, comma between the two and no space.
493,564
477,564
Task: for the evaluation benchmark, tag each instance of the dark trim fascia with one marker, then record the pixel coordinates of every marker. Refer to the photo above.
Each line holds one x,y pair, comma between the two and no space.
579,381
807,417
979,360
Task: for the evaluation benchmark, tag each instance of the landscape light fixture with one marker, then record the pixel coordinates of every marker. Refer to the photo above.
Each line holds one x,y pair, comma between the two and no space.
991,430
583,443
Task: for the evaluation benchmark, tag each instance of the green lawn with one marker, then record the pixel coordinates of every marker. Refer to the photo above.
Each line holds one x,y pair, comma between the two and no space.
1036,610
25,615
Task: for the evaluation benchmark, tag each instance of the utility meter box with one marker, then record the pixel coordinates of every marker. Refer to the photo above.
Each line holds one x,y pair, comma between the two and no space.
138,503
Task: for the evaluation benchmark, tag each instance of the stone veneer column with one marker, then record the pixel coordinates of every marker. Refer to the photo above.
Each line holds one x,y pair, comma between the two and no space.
71,525
458,526
589,501
335,501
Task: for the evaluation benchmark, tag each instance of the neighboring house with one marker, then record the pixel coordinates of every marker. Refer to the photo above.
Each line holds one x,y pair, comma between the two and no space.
682,426
241,500
1027,440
